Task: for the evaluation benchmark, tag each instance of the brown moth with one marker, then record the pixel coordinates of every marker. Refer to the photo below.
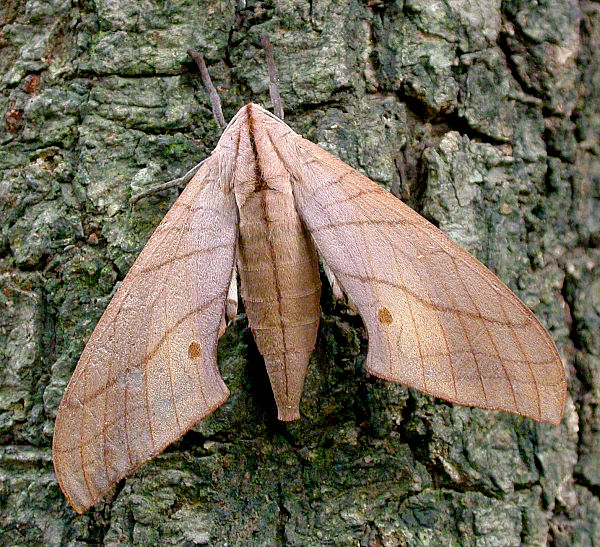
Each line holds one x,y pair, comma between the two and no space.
265,205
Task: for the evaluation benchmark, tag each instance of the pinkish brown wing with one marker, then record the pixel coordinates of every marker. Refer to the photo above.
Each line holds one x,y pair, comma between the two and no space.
149,370
438,320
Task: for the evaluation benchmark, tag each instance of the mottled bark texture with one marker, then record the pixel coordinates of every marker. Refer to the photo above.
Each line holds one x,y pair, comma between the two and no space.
481,114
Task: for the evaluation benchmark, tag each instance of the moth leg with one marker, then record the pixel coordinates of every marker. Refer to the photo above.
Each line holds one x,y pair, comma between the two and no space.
337,289
231,304
273,83
181,181
218,116
335,286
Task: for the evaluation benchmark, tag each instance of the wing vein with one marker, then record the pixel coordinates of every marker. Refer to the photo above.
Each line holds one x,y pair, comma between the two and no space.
487,330
525,359
167,340
436,314
86,479
165,314
466,336
169,261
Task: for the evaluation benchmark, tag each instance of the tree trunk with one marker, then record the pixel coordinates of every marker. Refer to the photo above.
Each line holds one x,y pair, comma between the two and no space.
482,115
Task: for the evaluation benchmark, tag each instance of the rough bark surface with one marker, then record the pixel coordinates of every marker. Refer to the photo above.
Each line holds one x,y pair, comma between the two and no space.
482,114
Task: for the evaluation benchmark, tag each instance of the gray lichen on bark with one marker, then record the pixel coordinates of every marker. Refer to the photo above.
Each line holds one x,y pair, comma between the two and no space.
483,115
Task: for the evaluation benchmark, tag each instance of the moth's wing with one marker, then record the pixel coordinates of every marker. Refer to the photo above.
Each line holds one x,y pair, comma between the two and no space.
437,319
149,370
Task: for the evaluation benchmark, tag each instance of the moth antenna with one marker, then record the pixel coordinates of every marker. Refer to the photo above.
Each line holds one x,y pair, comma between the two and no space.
273,83
210,88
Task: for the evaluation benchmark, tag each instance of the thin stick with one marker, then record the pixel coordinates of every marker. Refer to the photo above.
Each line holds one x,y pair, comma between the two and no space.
175,182
273,83
208,85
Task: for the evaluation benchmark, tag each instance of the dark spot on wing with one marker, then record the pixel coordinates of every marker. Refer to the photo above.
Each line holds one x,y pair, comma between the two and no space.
384,316
195,350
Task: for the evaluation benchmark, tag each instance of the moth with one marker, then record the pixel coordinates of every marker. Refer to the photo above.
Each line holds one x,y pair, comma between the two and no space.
266,205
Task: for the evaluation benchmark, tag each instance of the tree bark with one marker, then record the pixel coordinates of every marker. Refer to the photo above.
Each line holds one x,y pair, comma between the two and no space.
482,115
